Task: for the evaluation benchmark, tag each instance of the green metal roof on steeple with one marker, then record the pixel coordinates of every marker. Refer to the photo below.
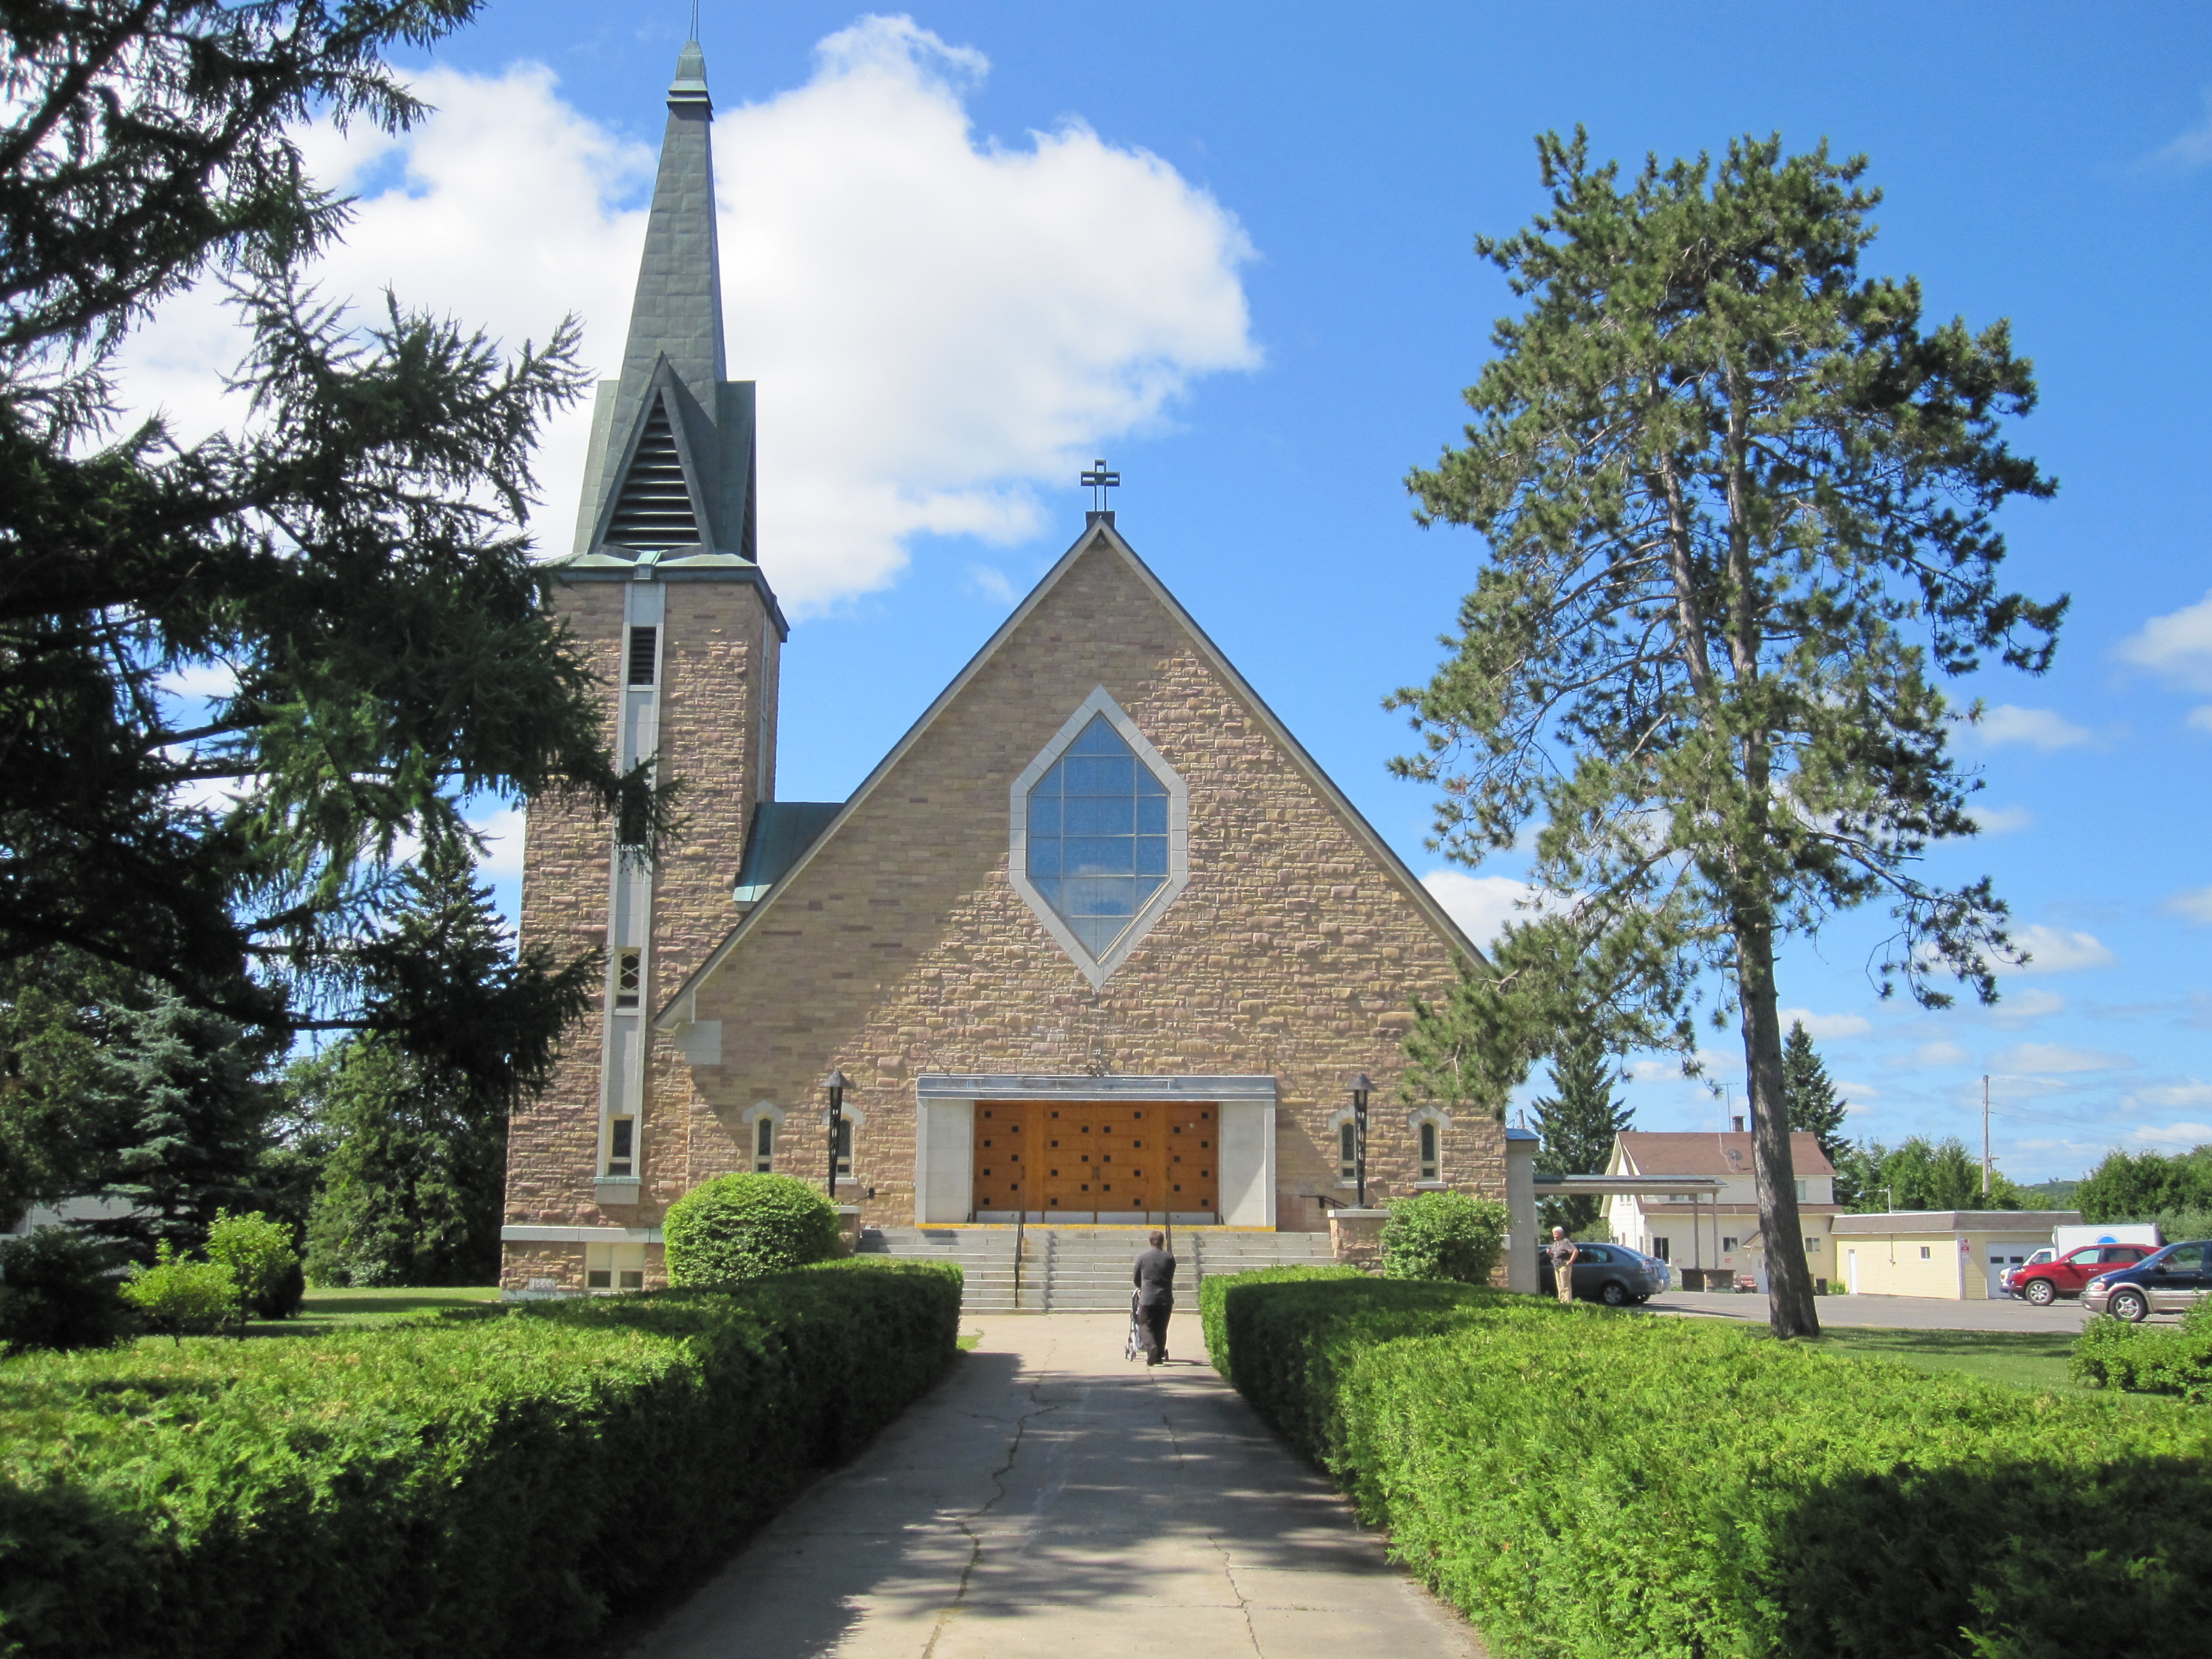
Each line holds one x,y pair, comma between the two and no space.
669,477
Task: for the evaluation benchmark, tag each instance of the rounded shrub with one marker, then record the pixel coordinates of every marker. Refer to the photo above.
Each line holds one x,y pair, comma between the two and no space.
1443,1236
61,1292
740,1226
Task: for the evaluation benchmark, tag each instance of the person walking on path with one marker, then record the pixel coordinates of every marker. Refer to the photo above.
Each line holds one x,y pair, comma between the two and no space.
1155,1281
1563,1255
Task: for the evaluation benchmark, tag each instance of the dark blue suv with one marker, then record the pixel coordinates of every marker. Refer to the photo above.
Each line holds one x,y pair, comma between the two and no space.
2172,1281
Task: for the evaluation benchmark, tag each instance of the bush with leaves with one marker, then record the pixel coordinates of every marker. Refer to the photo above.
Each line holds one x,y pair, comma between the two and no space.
1451,1236
740,1226
259,1253
61,1292
491,1485
1587,1484
179,1297
2148,1358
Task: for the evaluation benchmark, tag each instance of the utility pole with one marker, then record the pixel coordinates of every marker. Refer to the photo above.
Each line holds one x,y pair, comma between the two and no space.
1985,1133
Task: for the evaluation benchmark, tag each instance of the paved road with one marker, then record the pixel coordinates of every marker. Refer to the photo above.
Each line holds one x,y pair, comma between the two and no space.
1910,1313
1051,1499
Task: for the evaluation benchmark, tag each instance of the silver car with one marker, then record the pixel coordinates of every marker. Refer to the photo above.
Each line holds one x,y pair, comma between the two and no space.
2171,1280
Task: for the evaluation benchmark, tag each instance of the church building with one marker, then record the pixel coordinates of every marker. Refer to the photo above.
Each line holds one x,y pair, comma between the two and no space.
1096,943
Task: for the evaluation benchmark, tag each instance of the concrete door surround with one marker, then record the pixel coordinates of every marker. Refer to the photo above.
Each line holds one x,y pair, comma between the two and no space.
945,1133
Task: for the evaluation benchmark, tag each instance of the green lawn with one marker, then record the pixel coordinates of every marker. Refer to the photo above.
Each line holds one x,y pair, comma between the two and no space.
2035,1360
328,1310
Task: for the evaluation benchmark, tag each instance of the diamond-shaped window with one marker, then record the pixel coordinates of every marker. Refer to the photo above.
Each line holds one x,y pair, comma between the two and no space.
1098,822
1098,836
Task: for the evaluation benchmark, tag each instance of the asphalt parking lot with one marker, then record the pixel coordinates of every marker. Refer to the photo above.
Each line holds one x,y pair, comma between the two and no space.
1908,1313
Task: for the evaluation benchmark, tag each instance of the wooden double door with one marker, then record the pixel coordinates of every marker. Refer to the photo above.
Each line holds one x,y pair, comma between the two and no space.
1097,1160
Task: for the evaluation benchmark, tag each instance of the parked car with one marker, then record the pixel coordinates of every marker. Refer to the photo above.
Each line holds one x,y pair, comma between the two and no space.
2043,1282
1611,1274
2171,1280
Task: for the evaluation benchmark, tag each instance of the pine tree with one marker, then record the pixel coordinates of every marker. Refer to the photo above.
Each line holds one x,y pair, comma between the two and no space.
1577,1123
352,558
1738,515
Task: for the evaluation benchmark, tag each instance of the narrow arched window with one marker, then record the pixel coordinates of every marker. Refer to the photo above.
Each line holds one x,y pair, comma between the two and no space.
1428,1152
1347,1152
844,1148
764,1144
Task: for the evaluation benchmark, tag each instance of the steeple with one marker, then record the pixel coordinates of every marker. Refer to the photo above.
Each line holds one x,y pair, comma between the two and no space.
669,477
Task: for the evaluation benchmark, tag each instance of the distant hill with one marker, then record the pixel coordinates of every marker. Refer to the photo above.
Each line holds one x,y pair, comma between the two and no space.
2050,1194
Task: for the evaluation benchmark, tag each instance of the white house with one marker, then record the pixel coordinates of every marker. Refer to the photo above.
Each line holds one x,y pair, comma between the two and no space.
1690,1232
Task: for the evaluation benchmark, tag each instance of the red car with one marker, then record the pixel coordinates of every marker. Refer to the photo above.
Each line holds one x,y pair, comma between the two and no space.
2044,1282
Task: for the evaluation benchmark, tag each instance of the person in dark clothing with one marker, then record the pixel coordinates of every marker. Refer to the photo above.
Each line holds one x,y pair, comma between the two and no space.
1155,1282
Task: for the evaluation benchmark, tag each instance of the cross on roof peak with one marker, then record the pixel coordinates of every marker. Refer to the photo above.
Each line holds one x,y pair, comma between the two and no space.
1100,480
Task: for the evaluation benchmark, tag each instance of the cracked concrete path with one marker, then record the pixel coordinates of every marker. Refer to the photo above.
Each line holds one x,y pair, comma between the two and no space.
1049,1498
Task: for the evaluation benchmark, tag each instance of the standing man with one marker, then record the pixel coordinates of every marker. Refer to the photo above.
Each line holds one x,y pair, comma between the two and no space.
1155,1282
1564,1256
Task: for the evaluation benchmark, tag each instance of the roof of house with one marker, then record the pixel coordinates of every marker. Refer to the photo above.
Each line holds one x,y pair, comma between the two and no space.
1883,1223
1709,1153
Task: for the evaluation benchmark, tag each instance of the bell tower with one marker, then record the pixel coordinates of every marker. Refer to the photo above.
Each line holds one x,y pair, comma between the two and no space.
664,592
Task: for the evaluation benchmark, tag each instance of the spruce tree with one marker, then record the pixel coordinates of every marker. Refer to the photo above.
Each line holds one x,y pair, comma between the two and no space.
1738,511
1578,1122
1810,1094
351,558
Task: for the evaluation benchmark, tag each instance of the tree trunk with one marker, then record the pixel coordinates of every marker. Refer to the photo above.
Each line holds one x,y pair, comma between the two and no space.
1790,1302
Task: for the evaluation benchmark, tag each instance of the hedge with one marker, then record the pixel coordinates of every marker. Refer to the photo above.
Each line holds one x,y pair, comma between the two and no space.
488,1485
2147,1358
1582,1482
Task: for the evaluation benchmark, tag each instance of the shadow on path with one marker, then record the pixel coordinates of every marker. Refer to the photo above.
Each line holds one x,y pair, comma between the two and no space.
1051,1498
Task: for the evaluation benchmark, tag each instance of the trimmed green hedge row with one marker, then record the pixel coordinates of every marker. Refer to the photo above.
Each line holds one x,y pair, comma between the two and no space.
2147,1358
1585,1482
488,1485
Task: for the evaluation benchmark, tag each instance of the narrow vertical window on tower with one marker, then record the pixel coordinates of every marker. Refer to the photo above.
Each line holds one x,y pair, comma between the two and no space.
622,1146
629,977
643,642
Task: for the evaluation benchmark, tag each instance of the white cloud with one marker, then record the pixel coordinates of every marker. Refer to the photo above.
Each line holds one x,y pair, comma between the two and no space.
1941,1054
502,830
2039,728
2170,1095
2174,1134
2200,718
2057,950
939,324
201,679
1824,1027
2043,1059
1482,905
2195,903
2188,150
1857,1097
2002,820
2177,646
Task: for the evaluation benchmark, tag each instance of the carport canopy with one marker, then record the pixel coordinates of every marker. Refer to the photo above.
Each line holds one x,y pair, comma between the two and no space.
1605,1186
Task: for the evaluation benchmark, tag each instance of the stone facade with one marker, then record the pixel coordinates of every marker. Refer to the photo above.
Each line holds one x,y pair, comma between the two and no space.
899,946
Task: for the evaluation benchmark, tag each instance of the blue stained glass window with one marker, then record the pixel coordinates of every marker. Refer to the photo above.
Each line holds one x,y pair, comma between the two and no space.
1098,836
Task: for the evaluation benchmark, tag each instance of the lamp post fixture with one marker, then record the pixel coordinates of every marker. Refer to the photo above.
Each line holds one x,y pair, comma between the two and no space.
1359,1086
835,1083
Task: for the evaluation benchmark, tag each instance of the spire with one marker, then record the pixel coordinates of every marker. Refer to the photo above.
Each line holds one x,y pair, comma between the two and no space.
671,465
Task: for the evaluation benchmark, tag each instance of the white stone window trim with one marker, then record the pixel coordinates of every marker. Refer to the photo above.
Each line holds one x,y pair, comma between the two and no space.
1441,1118
1337,1120
1099,970
751,1138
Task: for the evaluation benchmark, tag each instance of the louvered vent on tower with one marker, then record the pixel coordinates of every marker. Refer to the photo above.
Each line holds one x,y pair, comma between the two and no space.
654,507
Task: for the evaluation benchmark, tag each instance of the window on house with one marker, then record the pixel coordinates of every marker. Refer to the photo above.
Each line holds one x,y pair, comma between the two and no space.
1811,1244
622,1146
629,977
1662,1248
642,642
1429,1152
765,1145
844,1148
1727,1244
1800,1192
1347,1152
614,1268
1924,1252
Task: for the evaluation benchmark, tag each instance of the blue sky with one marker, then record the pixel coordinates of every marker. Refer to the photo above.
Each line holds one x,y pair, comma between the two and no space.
1264,324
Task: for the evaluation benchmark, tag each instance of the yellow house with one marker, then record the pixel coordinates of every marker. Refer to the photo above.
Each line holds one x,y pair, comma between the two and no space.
1957,1254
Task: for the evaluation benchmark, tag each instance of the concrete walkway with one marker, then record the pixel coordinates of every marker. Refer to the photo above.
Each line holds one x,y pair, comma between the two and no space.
1051,1499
